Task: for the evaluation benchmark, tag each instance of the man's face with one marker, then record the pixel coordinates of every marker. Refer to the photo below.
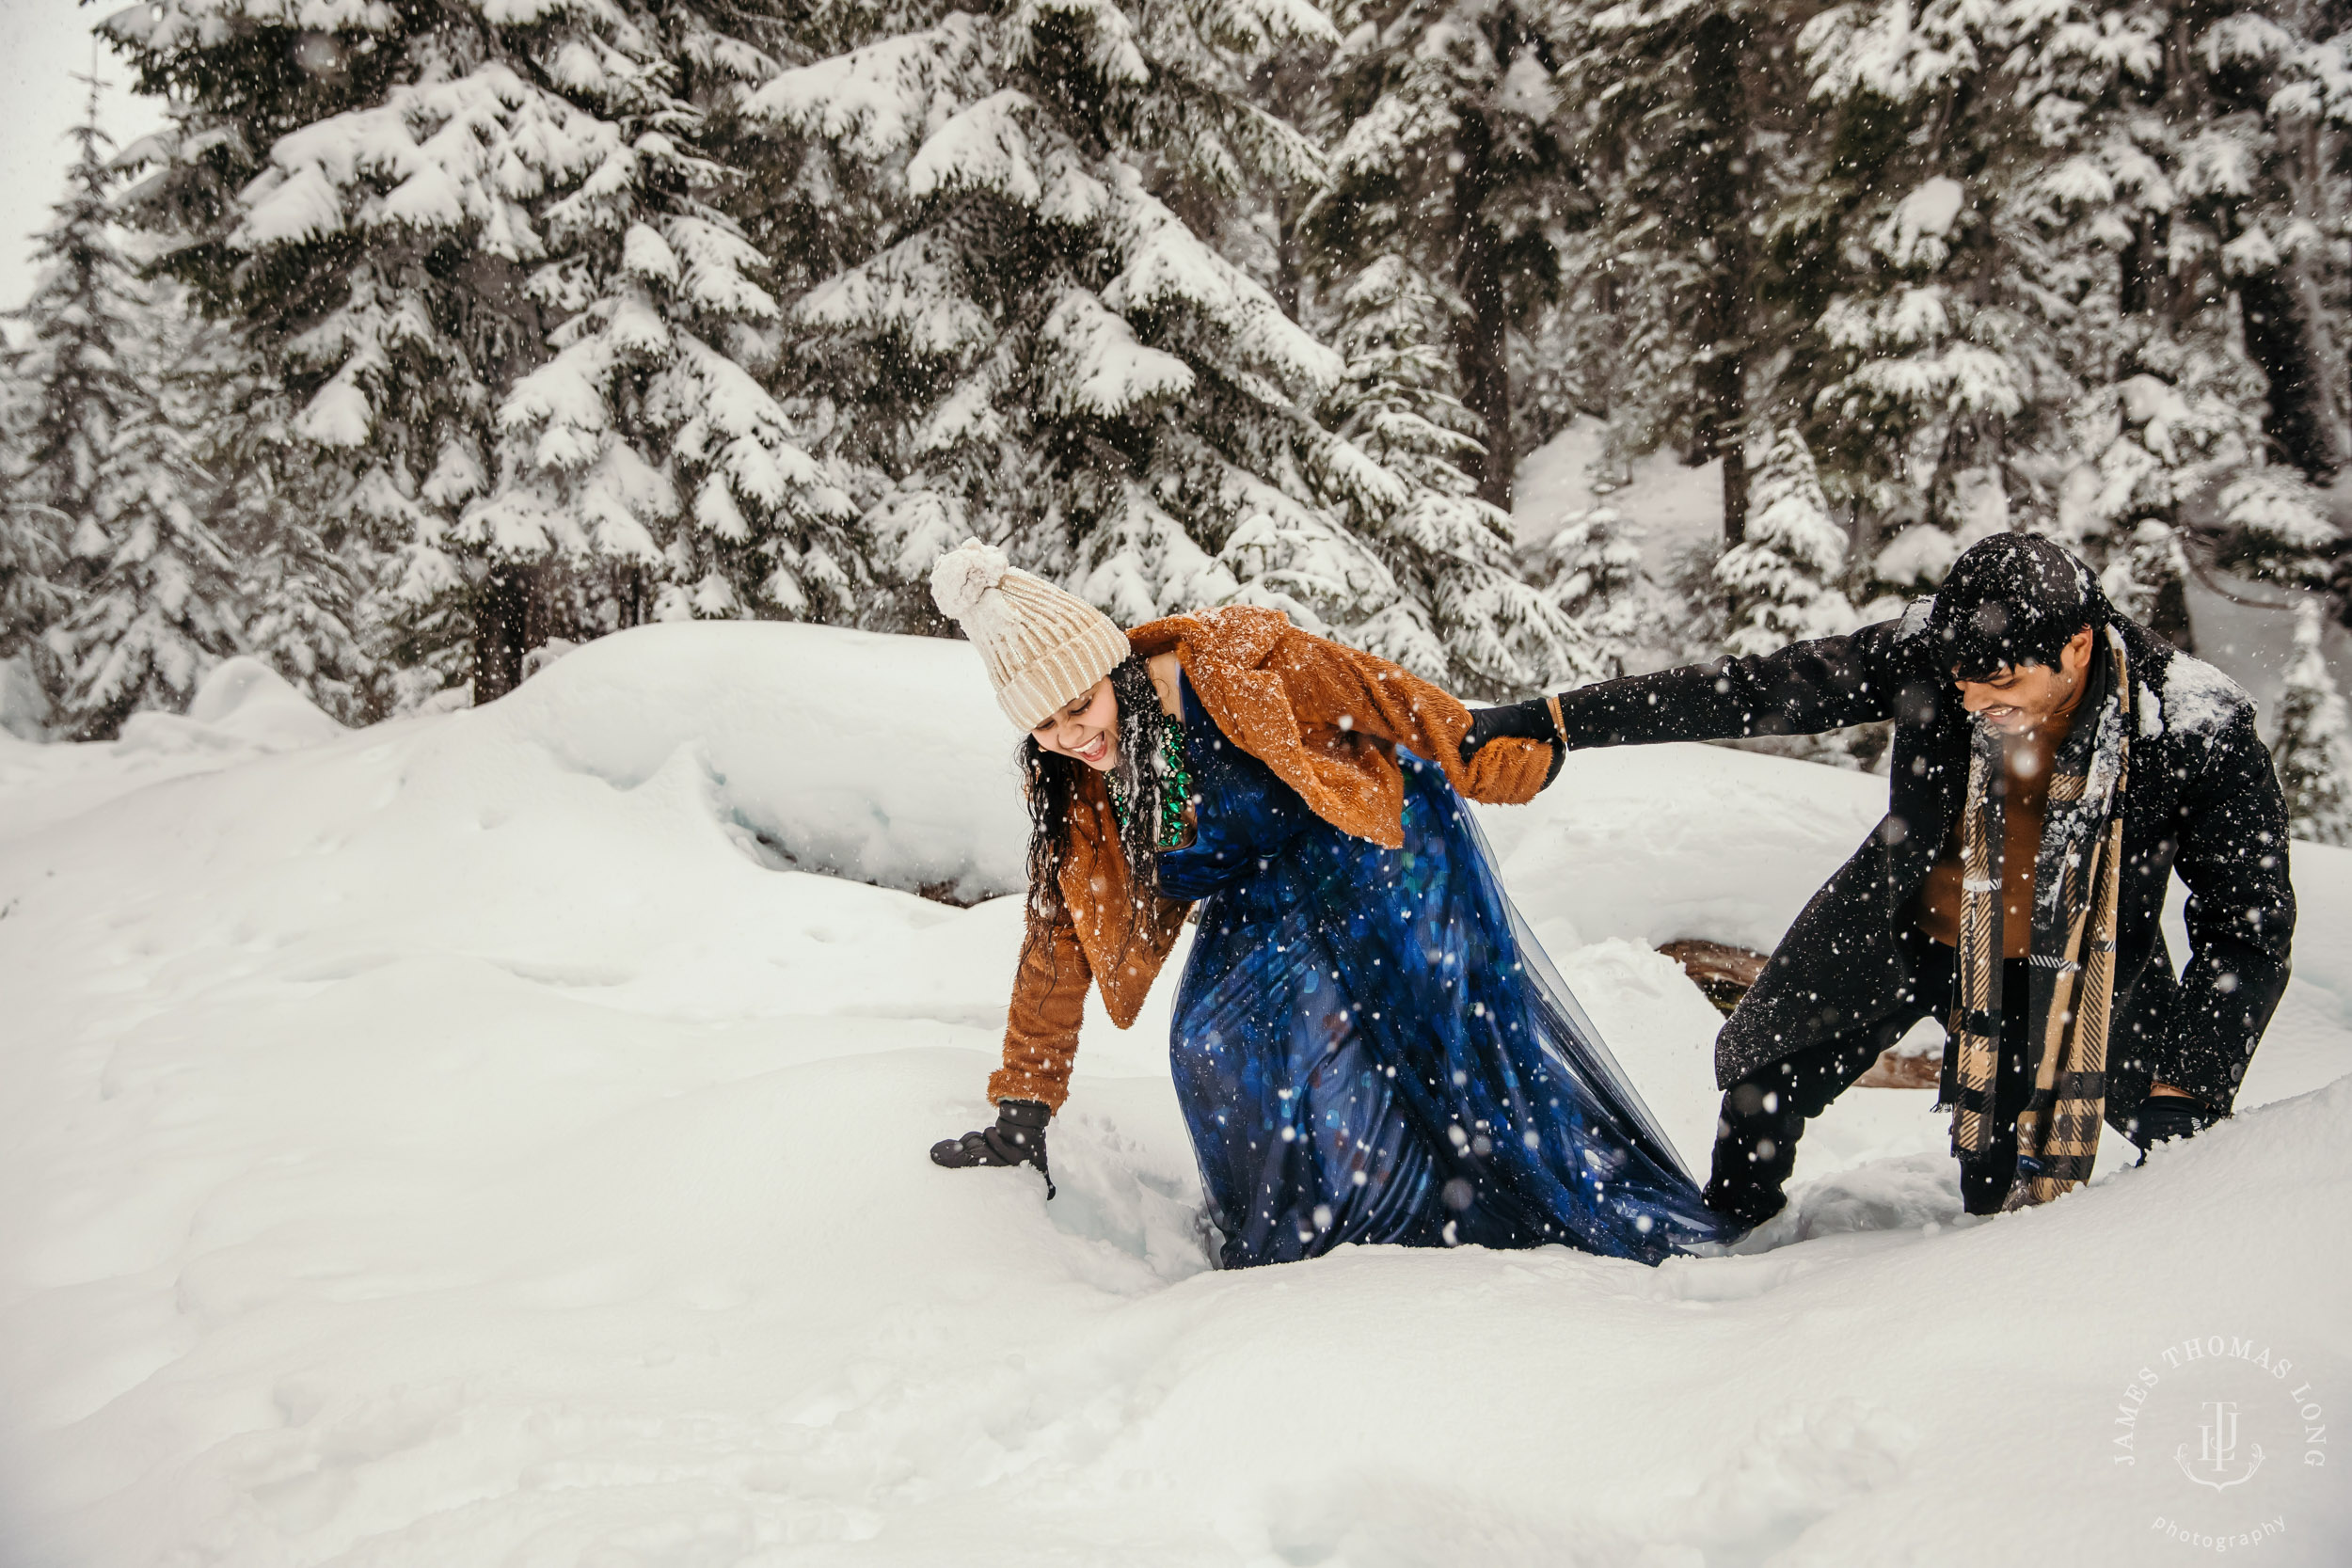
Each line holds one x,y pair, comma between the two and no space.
2018,699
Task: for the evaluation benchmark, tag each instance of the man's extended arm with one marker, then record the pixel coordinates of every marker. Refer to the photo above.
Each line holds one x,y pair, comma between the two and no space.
2240,916
1802,689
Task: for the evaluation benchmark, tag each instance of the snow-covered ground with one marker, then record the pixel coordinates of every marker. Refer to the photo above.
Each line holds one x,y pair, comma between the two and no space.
470,1142
1677,507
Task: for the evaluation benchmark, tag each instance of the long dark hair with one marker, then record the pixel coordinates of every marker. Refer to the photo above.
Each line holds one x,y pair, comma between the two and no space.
1050,781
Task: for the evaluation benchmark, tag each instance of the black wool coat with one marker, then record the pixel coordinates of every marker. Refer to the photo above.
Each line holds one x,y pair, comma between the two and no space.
2201,798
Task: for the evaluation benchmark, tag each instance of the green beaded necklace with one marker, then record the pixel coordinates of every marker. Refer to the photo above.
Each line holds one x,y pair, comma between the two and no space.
1175,795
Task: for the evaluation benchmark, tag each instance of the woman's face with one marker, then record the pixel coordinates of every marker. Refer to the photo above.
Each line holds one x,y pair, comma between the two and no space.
1087,728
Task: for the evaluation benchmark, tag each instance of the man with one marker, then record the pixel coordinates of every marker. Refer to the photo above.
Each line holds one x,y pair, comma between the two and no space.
2053,764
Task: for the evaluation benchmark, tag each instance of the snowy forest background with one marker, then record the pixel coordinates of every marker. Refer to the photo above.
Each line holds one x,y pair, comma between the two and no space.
431,338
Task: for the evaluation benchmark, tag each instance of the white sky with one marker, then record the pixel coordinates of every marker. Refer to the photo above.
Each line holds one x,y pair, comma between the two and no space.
42,43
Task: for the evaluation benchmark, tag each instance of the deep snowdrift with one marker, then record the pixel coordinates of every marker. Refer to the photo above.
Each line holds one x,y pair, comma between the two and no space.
460,1143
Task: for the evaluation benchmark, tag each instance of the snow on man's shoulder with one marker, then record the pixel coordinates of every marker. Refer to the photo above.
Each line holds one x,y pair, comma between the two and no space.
2197,700
1915,616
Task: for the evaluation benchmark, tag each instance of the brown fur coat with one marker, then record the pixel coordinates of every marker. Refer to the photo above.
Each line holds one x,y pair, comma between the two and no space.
1327,718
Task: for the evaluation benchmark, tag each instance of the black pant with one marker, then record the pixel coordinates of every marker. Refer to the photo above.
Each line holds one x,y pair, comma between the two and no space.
1764,1114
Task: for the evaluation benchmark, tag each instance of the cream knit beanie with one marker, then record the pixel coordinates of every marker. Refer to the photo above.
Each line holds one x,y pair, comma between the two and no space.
1043,648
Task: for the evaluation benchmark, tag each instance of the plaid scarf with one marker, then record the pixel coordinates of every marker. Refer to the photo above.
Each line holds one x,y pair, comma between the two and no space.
2077,878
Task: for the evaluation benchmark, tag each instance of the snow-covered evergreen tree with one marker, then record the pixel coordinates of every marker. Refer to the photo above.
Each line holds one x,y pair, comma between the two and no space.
2275,527
160,607
1780,579
1949,265
299,571
1046,350
1062,357
31,555
1009,300
1591,571
1692,135
1449,158
2179,142
100,459
1464,616
2258,94
479,240
2314,746
2163,437
1395,397
67,395
2057,266
2148,581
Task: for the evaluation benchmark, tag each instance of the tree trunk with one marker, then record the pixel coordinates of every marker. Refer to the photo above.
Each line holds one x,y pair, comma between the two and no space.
632,595
1733,449
2146,264
1481,336
2287,327
1279,86
1290,268
2159,280
2168,617
2285,335
507,331
500,607
1719,197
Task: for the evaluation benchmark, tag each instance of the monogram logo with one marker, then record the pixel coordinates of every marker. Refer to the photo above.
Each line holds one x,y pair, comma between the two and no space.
2245,1424
2216,1465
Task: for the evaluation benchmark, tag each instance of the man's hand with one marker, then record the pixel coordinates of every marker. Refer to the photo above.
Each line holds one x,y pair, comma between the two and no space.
1516,721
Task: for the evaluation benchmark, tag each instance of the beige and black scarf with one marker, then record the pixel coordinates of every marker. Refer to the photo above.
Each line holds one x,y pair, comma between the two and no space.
2077,879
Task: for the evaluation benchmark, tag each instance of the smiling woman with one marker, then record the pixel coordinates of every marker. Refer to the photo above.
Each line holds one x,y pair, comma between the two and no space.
1368,1043
1083,729
1123,728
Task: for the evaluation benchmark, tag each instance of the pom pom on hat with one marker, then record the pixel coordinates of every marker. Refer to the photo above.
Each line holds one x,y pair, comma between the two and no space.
960,576
1043,648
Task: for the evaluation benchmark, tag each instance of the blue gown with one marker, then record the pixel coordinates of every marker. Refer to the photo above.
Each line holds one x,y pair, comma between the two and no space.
1370,1046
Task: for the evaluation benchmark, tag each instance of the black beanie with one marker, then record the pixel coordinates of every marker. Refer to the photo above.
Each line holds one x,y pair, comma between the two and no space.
2014,598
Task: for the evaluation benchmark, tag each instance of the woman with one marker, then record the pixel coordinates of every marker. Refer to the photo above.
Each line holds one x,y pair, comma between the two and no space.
1369,1045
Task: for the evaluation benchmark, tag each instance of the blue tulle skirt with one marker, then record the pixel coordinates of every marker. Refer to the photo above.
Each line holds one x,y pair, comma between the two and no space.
1370,1045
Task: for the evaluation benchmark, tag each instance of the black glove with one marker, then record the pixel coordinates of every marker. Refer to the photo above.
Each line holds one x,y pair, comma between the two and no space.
2162,1117
1017,1139
1521,721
